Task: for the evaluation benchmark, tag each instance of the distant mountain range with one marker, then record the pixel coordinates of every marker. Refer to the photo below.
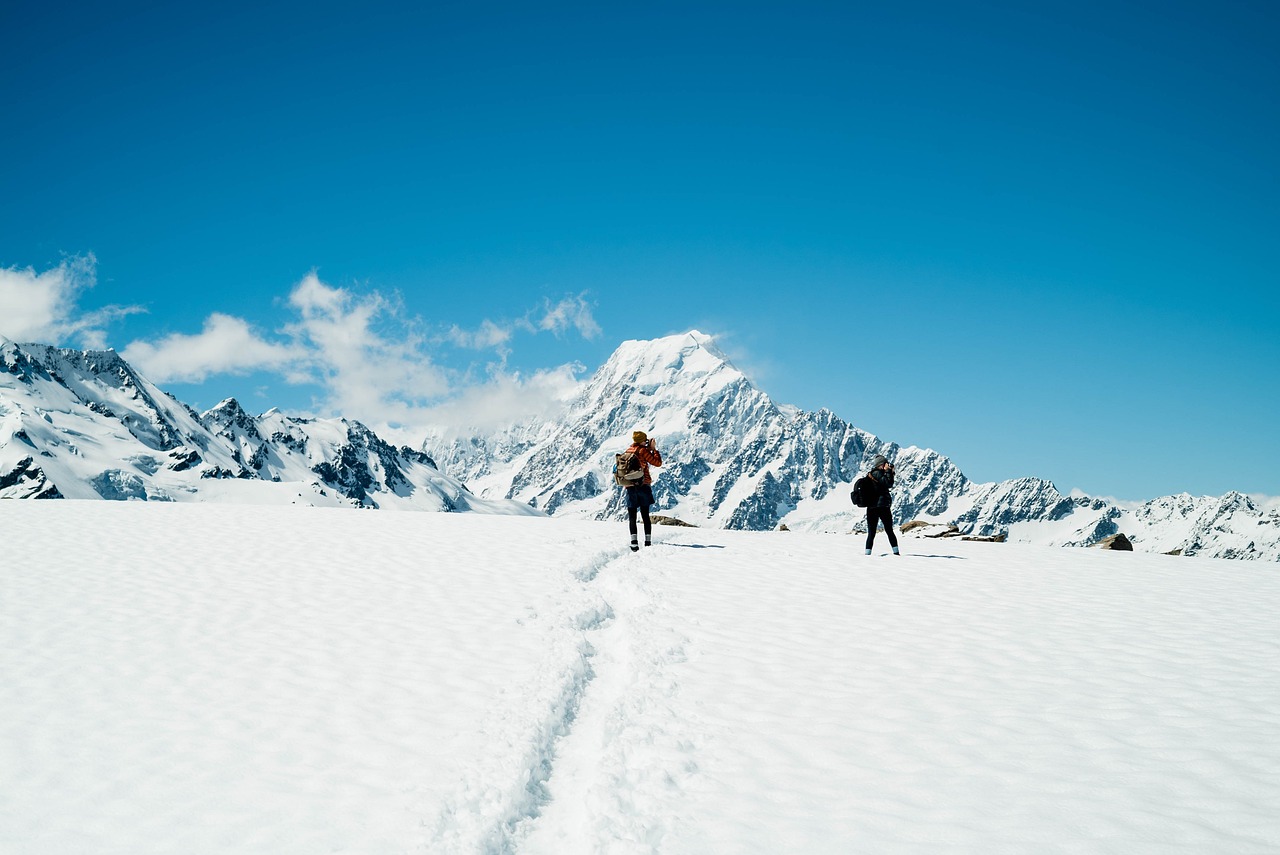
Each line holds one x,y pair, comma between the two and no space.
735,459
85,425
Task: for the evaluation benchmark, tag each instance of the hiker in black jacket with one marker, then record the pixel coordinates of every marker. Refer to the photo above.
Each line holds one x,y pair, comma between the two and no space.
880,510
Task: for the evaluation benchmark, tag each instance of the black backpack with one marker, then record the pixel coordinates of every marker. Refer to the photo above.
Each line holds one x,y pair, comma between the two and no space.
627,469
865,492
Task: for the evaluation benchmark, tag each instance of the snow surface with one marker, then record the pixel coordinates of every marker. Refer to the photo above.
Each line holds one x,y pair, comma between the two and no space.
235,679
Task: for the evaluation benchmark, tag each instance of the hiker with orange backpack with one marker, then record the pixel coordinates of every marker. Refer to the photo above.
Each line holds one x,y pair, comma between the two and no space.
632,472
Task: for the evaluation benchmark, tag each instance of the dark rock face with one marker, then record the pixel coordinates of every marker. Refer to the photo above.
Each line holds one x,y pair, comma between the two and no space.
583,487
365,465
1116,541
229,419
678,479
21,365
762,509
184,459
27,481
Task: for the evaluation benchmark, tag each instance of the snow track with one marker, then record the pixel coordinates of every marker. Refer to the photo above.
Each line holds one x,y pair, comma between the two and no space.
627,756
582,754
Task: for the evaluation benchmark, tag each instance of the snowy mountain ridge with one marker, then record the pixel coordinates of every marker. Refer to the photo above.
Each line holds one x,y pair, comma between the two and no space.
735,459
85,425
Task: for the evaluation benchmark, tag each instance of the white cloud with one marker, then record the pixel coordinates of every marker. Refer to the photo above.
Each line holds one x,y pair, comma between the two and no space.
373,361
1123,504
1265,502
366,372
226,345
376,364
571,312
359,349
503,400
489,335
42,307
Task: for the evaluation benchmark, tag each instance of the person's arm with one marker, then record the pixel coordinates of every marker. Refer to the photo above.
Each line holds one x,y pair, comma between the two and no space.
650,454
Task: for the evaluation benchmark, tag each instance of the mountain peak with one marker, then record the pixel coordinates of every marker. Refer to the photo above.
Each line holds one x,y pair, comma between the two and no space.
229,406
680,357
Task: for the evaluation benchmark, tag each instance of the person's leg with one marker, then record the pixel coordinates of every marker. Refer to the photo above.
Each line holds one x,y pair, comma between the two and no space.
887,517
631,526
872,519
648,525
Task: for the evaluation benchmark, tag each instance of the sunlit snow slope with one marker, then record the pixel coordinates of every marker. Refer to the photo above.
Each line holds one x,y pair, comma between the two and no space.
225,679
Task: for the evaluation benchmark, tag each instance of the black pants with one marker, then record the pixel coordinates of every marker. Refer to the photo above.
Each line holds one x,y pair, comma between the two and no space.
644,514
876,515
639,498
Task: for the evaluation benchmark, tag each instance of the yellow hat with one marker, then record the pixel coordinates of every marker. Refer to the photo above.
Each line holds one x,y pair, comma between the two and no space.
639,436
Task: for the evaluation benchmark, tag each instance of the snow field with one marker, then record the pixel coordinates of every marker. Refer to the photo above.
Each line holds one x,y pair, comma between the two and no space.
219,679
985,698
229,679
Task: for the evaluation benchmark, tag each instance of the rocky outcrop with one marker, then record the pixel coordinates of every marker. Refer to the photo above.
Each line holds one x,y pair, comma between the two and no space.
26,480
1116,541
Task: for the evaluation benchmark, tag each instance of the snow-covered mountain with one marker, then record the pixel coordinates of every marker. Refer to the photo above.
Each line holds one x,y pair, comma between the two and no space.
85,425
735,459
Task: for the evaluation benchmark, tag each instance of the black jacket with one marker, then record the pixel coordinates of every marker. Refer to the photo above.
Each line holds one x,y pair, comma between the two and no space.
883,480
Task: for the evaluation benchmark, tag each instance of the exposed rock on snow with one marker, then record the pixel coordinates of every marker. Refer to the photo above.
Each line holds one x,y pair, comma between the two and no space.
1116,541
658,519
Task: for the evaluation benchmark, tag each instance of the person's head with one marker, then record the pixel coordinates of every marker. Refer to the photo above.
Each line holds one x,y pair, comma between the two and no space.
639,437
880,462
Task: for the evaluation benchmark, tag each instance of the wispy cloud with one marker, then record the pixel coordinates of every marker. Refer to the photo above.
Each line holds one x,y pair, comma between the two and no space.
368,357
1265,502
569,313
226,345
490,334
502,399
42,307
362,349
374,361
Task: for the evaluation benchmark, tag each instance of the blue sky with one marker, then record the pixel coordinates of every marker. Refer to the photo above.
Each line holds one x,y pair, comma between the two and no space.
1040,238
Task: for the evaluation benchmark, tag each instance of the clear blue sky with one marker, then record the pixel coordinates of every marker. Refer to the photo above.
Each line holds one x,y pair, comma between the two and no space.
1040,238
